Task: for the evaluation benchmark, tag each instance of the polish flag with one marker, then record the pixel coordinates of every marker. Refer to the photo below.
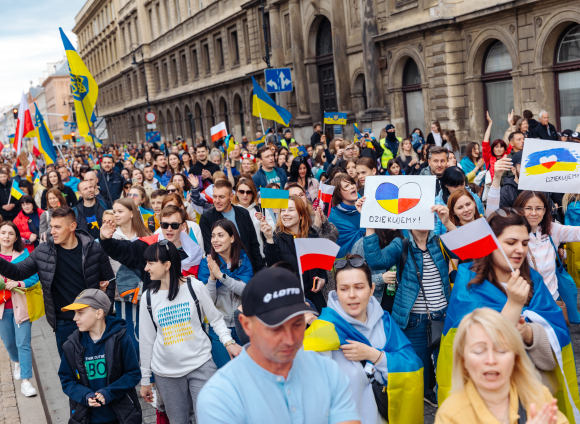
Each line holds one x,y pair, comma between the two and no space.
471,241
315,253
325,192
24,125
219,131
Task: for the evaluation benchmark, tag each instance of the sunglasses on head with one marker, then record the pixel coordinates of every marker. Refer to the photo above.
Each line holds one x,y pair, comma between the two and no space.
173,225
354,262
505,212
108,155
165,243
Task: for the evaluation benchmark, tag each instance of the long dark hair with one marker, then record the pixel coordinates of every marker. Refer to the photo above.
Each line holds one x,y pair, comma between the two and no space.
453,177
167,253
28,199
469,151
28,185
387,236
59,185
18,245
525,196
452,140
296,162
237,245
483,267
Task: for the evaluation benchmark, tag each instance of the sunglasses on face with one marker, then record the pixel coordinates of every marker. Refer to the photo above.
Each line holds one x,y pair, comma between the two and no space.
245,192
173,225
132,195
172,190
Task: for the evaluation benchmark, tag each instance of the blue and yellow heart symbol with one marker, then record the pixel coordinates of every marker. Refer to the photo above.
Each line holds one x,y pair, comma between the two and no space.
397,200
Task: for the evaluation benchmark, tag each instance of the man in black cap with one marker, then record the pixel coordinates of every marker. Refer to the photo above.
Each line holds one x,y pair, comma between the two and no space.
274,379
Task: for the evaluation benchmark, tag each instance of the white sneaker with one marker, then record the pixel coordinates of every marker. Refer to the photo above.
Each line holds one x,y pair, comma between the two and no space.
16,370
27,390
154,403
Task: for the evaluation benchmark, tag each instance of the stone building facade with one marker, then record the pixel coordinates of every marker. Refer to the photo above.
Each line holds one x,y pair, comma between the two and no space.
407,62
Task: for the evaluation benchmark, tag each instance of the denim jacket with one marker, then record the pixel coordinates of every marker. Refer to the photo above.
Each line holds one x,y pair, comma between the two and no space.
409,287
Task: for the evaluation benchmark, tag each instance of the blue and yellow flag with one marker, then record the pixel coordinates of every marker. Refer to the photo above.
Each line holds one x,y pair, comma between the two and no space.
335,118
129,157
45,138
405,380
84,88
16,192
266,108
542,309
229,143
146,214
357,134
11,139
261,140
92,222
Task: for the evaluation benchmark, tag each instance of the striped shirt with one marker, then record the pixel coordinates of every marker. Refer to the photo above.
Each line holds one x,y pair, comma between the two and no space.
433,288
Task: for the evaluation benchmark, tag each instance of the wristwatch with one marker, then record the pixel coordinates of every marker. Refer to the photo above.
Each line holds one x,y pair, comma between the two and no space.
231,342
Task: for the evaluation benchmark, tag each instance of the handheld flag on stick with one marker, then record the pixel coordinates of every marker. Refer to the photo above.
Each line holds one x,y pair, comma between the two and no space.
219,131
146,214
16,192
229,143
45,138
264,107
258,141
274,199
325,192
129,157
315,253
84,88
24,126
335,118
357,134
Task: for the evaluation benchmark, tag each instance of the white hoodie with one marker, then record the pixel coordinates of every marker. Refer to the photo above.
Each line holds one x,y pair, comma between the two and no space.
374,331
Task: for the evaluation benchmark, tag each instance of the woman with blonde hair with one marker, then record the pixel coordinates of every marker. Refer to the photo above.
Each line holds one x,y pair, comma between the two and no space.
493,379
249,164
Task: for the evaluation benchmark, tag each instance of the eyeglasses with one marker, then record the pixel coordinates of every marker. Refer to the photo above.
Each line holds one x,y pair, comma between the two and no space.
165,243
539,209
171,190
173,225
245,192
354,262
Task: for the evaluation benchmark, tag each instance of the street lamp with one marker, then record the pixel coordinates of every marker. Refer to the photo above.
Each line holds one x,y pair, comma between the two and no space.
135,66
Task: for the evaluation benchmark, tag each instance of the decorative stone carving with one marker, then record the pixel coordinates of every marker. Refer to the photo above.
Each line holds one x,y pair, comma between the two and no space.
469,38
390,55
355,13
512,28
539,22
420,47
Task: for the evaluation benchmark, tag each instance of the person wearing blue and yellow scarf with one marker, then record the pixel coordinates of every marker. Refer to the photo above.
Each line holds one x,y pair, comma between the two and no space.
365,342
523,298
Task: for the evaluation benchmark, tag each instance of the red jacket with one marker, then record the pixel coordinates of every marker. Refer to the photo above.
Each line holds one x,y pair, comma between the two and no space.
21,221
489,158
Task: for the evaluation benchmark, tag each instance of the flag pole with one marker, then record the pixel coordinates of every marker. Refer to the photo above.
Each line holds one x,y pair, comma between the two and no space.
299,268
498,244
506,258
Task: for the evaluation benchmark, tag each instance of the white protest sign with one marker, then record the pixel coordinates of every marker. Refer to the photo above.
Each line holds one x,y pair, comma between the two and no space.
552,166
399,202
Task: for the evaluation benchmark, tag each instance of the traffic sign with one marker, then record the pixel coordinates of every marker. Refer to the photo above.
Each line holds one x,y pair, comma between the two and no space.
153,137
338,130
278,80
150,117
151,126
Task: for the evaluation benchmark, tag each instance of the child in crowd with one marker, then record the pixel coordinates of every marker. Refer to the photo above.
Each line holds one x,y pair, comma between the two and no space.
99,368
156,203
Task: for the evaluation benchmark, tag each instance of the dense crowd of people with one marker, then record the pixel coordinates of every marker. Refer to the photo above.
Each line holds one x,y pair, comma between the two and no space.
163,276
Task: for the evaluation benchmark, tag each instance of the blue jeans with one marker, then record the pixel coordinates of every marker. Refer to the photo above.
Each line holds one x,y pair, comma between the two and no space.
218,351
132,329
62,332
16,338
416,332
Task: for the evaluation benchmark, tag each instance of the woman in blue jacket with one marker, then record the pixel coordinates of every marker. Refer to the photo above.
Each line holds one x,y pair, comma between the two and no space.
225,272
344,214
411,310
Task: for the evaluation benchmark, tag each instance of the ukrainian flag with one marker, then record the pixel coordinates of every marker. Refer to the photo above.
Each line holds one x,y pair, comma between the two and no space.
335,118
266,108
146,214
258,141
45,138
16,192
129,157
551,160
542,309
274,199
85,89
357,134
11,139
405,379
229,143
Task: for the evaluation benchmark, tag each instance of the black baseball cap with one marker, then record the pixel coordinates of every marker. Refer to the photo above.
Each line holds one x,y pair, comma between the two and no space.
274,295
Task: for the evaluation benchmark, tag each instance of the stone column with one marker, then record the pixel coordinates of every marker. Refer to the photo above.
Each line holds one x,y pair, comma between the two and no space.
277,59
300,80
339,42
371,55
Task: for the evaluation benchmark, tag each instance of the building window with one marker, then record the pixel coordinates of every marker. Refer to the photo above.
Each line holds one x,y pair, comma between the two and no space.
137,31
235,48
143,81
129,87
167,15
151,28
568,79
499,89
158,14
219,53
194,67
413,95
188,8
183,64
121,95
206,61
247,49
165,74
130,35
177,14
174,70
157,79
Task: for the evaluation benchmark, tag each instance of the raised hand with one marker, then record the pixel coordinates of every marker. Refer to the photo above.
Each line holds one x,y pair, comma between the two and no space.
267,231
193,180
107,230
359,204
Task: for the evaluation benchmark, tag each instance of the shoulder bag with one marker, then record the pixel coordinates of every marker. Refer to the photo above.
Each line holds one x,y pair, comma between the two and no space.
379,392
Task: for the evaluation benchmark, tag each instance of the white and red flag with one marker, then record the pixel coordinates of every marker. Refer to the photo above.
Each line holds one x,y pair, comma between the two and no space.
471,241
315,253
325,192
219,131
24,125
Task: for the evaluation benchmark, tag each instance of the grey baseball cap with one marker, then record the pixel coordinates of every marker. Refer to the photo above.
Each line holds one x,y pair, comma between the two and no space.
94,298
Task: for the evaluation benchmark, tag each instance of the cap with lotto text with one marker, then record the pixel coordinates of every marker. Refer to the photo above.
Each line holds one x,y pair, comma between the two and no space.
94,298
274,295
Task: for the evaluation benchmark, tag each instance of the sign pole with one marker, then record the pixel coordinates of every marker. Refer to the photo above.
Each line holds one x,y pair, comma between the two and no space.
323,124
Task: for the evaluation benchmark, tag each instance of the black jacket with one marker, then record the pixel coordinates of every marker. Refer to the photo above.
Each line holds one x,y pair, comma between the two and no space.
509,192
315,138
284,249
79,209
67,192
111,186
4,196
95,265
532,123
126,408
198,167
541,132
246,230
128,253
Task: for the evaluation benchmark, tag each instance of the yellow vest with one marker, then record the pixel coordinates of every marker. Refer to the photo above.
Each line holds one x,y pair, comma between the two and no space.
387,154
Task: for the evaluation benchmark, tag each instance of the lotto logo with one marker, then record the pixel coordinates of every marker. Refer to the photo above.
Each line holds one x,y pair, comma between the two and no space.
97,368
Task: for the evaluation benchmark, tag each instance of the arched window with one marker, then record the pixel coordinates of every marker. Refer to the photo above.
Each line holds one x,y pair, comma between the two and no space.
325,67
413,95
568,79
499,89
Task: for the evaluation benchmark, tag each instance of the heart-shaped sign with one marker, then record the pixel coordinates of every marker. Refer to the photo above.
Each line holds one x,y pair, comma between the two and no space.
549,161
397,200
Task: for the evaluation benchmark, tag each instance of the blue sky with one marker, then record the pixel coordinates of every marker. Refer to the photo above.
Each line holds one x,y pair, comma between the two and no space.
29,39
